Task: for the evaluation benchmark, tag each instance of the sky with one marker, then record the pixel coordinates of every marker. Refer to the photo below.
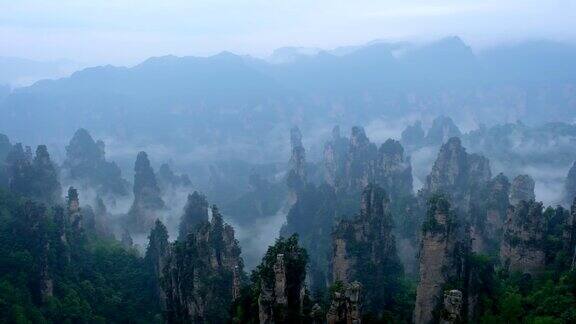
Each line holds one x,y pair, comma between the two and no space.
125,32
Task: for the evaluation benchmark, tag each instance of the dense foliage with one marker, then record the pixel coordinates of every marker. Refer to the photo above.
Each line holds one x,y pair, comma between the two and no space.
94,281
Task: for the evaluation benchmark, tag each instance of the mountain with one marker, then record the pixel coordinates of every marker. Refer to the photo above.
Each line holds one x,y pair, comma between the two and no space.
192,102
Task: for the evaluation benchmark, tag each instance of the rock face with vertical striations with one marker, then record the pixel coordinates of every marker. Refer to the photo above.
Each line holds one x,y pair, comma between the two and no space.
335,158
489,227
364,250
282,276
413,136
195,213
438,258
156,255
442,129
393,170
86,165
35,177
360,161
457,174
522,189
345,306
570,185
168,180
5,148
296,178
522,247
147,201
451,313
198,278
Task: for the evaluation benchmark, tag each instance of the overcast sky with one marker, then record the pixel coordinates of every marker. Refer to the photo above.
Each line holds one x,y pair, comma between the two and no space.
128,31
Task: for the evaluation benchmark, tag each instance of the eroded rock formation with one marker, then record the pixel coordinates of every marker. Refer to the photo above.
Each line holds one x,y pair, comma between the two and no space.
364,250
199,279
147,201
522,247
168,180
156,255
345,306
361,159
86,165
34,177
570,185
296,178
282,275
441,130
195,213
522,189
438,258
451,313
394,171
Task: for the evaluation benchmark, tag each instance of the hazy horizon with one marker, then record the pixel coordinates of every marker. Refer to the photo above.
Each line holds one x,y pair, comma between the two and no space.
126,32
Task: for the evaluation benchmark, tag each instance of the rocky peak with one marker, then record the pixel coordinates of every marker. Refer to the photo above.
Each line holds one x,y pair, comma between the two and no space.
195,213
361,160
47,187
394,171
147,201
73,207
490,228
5,147
335,157
570,185
438,263
33,177
378,260
413,135
522,189
282,277
522,247
296,178
83,150
201,273
156,254
457,174
86,162
442,129
168,179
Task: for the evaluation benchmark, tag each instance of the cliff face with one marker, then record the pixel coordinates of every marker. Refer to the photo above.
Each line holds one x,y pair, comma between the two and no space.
413,136
522,189
156,257
394,171
167,179
195,213
335,158
296,178
522,246
199,279
361,159
35,177
147,201
281,277
441,130
351,164
570,185
364,250
488,229
457,174
345,306
438,261
86,164
5,148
